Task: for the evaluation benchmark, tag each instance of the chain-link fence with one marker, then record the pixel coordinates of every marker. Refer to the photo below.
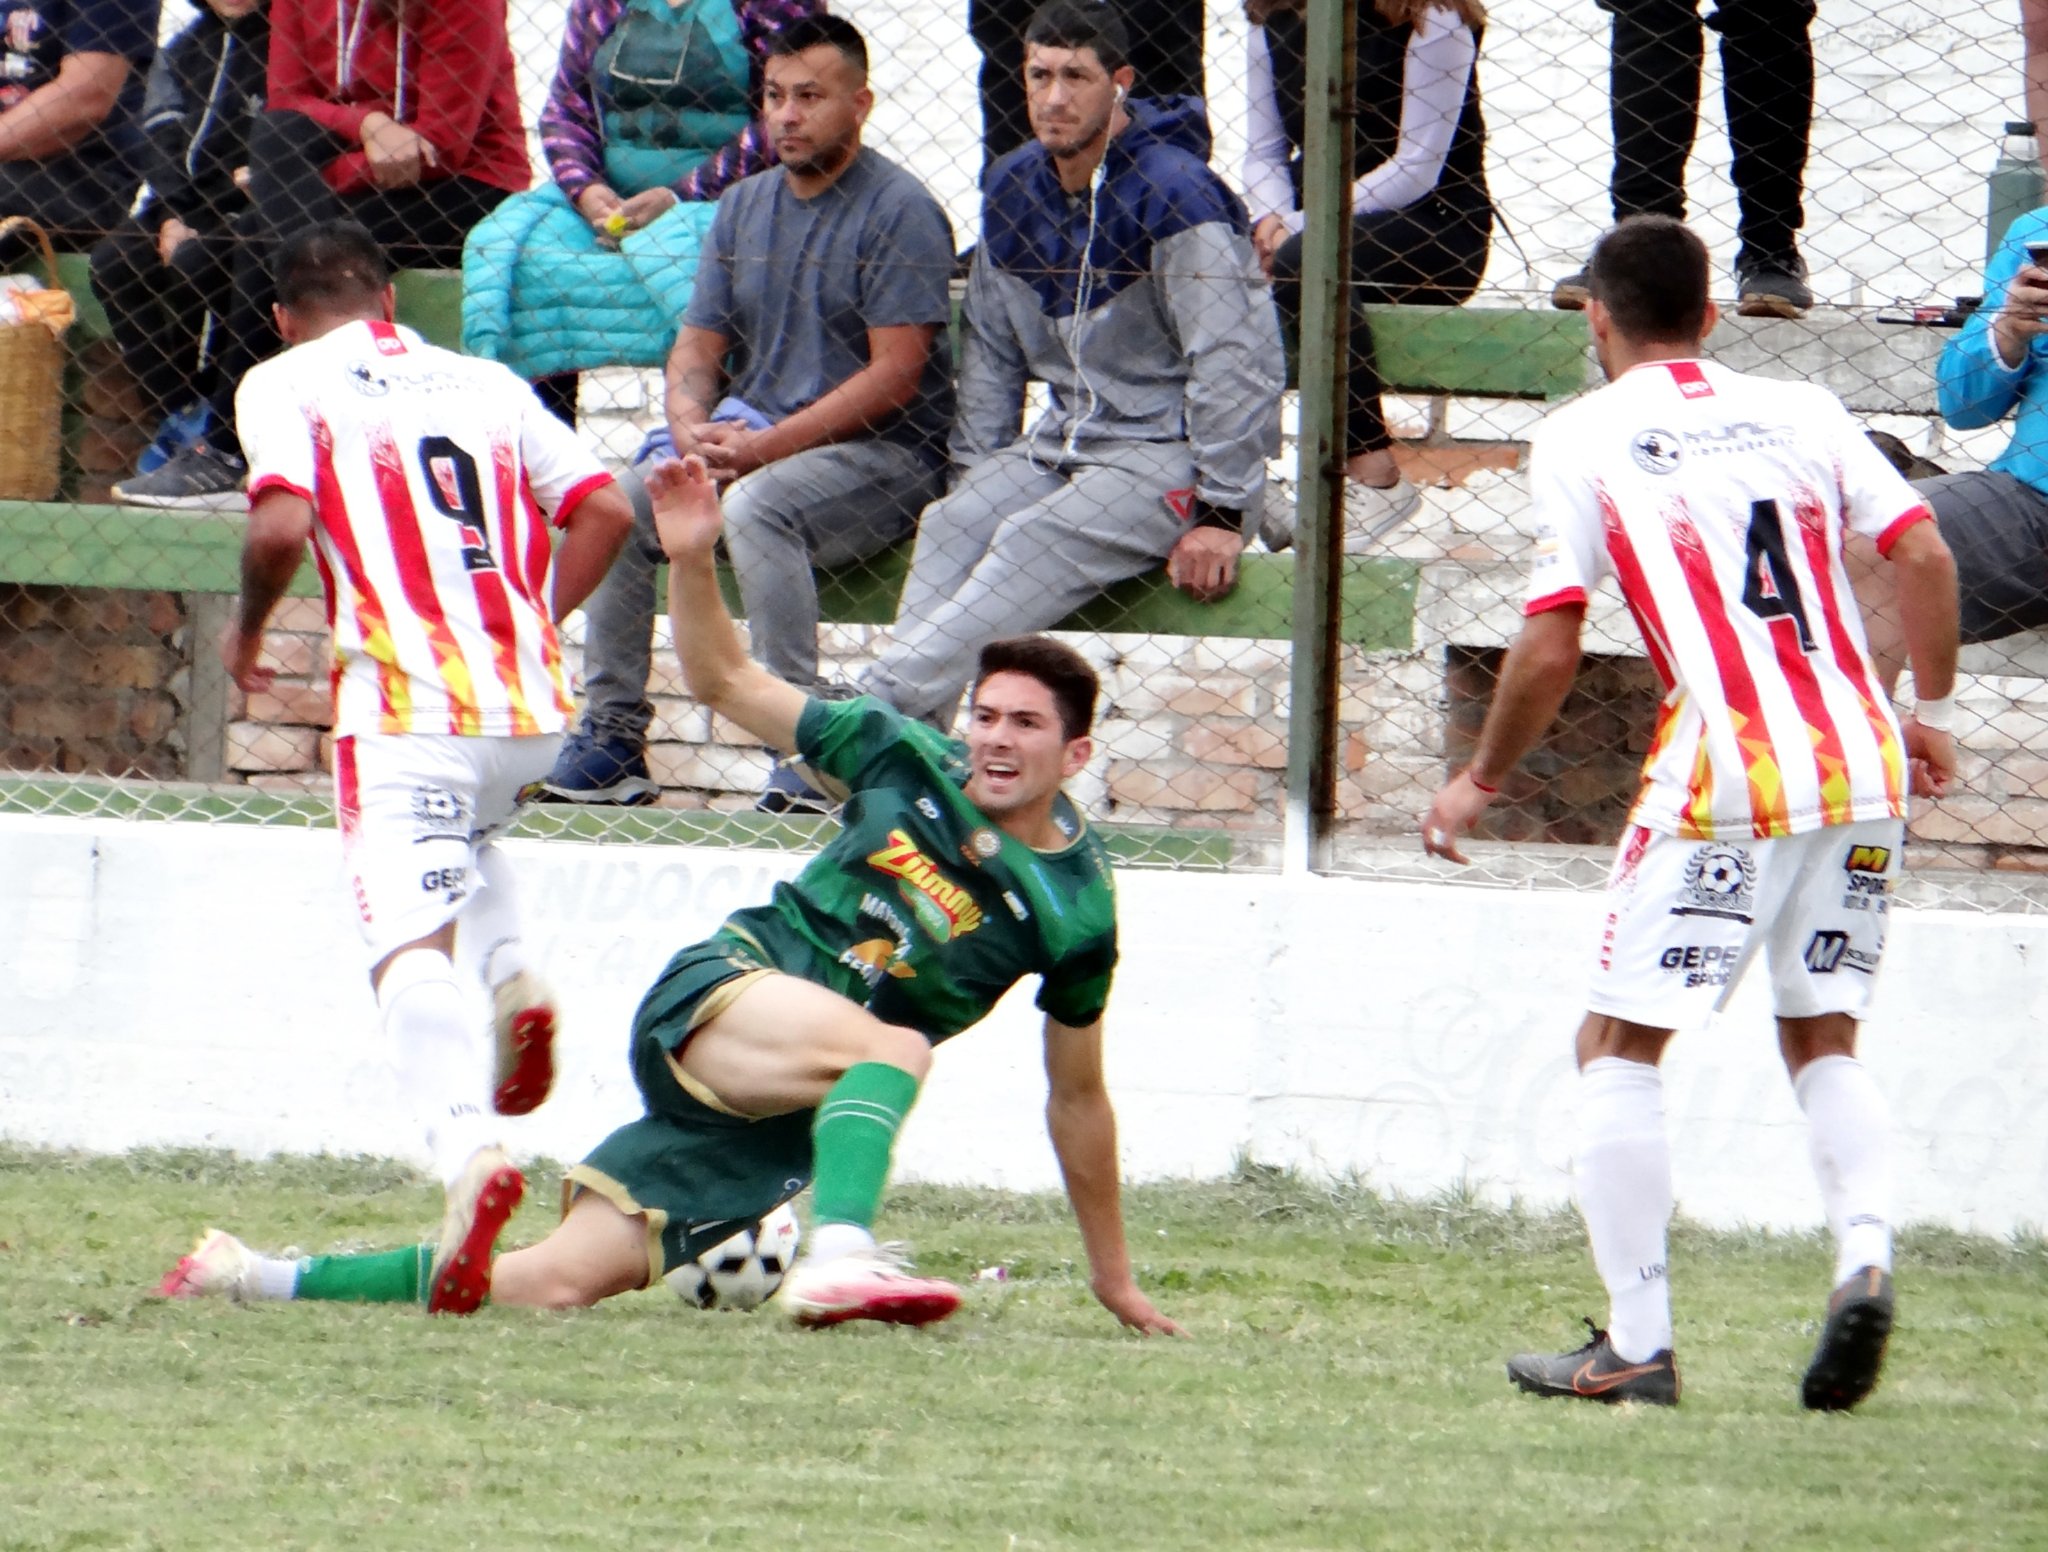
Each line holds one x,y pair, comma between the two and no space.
1041,441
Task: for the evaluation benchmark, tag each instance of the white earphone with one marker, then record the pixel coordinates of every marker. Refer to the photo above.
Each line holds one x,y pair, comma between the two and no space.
1119,95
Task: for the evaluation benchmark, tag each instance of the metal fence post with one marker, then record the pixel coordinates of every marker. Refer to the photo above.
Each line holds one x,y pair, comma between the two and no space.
1319,491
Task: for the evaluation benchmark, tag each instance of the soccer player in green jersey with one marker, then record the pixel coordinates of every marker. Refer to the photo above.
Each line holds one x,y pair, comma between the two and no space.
788,1047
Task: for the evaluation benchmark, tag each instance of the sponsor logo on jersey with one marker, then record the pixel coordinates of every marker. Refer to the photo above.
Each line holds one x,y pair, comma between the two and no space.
875,958
366,382
451,883
1868,859
981,846
1827,952
927,807
1719,881
1016,906
1868,887
1657,452
945,909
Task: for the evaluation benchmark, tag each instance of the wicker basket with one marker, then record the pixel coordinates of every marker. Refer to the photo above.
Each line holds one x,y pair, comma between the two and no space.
32,382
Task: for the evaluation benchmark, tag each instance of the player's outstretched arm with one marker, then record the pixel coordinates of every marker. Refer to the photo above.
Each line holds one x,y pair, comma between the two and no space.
1535,677
1082,1123
715,665
1924,576
279,525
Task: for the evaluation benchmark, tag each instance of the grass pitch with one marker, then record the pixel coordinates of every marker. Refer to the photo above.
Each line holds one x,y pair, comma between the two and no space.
1344,1388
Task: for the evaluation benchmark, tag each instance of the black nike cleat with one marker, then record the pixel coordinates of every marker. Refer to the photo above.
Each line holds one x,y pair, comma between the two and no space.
1851,1351
1596,1372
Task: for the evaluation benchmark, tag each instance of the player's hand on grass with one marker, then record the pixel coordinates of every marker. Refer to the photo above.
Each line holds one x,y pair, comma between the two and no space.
1123,1300
687,517
1456,810
1932,755
239,652
1204,563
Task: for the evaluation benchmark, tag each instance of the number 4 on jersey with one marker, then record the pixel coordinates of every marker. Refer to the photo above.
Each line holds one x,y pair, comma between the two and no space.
1770,587
458,493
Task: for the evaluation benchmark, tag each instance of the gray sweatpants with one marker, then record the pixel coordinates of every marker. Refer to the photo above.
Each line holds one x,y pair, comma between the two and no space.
1025,538
828,506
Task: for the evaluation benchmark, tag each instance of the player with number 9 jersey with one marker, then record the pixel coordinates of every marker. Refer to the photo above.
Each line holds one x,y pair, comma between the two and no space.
428,473
1719,503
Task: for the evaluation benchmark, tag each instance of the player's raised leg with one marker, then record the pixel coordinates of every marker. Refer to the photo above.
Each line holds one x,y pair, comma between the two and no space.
524,1017
785,1044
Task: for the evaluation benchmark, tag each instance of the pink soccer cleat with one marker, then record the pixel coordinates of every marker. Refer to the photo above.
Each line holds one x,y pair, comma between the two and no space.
219,1265
866,1285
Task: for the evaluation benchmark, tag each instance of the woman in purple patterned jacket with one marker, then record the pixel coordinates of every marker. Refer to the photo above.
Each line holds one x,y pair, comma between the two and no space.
650,118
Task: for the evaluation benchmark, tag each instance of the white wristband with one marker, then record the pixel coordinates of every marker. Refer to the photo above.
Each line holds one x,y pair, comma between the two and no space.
1936,716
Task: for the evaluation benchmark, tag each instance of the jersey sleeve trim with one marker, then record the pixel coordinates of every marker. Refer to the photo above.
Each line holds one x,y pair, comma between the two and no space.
576,494
265,483
1563,598
1898,526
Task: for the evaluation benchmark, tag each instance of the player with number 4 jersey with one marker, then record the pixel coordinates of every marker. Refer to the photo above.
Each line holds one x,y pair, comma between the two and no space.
421,477
1771,815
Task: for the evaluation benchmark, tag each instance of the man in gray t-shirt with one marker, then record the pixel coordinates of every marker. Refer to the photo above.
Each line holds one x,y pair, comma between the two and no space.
812,375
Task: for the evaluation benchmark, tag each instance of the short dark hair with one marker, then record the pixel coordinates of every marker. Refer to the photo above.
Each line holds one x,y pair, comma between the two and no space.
1081,24
332,265
1053,664
1650,273
823,29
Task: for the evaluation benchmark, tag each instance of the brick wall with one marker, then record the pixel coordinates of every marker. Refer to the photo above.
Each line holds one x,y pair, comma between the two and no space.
91,681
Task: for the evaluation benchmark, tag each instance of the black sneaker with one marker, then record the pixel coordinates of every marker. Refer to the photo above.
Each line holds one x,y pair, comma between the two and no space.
1597,1373
1771,285
1570,294
1852,1343
590,769
200,479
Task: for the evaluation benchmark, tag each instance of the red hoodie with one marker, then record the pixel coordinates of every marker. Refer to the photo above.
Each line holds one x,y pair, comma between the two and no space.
337,61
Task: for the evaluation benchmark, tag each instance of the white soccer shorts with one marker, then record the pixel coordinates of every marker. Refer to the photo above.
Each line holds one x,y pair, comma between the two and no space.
1684,918
415,809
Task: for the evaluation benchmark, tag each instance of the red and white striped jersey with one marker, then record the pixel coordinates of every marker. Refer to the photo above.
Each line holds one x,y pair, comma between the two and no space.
427,472
1718,502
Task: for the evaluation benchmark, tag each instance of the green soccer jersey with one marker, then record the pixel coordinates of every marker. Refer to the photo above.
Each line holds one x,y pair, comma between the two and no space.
920,909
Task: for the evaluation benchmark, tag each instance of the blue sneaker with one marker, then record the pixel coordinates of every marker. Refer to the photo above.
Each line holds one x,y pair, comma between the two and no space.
788,793
176,432
599,770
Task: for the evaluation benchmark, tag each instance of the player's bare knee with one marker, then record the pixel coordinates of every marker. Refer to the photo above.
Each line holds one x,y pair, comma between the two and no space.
1602,1035
1803,1040
904,1048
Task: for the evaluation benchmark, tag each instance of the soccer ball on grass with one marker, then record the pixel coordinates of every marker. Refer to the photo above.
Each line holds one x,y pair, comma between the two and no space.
740,1273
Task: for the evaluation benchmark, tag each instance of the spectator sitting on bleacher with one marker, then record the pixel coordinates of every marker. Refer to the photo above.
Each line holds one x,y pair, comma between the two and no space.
651,118
1115,267
811,374
1420,212
1995,520
71,76
163,275
401,115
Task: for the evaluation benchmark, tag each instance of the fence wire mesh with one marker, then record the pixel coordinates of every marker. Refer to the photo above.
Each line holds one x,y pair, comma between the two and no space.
1166,394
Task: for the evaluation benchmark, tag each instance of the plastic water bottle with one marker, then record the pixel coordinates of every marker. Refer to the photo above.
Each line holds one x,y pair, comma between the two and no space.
2016,185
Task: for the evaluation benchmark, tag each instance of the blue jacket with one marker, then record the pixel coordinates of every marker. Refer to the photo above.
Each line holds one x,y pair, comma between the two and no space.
1977,388
1166,333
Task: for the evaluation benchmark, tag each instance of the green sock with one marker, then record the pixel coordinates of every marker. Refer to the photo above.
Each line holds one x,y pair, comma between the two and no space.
852,1139
380,1277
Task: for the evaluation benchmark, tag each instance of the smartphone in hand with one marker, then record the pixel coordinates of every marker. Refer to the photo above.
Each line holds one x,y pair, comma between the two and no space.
2037,254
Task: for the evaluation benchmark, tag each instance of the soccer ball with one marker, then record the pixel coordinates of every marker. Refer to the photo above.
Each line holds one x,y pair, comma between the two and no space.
742,1272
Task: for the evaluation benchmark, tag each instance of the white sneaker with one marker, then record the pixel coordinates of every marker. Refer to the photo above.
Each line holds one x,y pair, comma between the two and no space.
523,1022
219,1264
479,1205
866,1285
1373,511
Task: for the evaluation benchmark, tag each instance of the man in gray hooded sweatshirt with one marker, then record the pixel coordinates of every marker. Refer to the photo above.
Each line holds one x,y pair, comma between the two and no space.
1115,267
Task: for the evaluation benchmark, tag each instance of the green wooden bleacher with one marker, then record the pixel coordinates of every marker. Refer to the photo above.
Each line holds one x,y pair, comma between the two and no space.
1490,352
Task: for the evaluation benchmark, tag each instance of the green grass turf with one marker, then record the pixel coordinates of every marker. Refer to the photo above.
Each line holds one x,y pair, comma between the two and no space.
1343,1389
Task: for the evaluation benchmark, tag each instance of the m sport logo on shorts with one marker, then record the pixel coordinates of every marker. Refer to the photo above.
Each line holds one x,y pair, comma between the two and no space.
1827,952
1868,884
1719,881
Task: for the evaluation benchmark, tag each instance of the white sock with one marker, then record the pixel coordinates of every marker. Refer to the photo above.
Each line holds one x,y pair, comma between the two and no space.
276,1278
440,1056
487,939
1849,1133
830,1241
1623,1173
